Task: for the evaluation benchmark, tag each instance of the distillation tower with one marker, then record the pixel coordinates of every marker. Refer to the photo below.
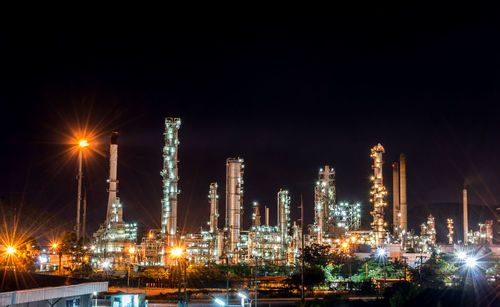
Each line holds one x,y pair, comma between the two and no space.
324,202
451,231
170,178
283,221
234,206
214,208
378,194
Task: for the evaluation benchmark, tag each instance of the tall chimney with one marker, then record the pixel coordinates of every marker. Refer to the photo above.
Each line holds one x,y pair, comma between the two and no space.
466,219
402,191
214,207
114,210
256,214
267,216
396,210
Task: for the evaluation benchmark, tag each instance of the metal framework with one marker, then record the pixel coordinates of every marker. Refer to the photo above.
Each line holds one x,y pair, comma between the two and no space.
378,194
170,178
325,196
283,210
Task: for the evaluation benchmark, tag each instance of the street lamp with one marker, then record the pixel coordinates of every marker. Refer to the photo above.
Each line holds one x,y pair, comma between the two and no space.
11,250
81,145
382,252
55,246
177,253
220,302
131,251
471,262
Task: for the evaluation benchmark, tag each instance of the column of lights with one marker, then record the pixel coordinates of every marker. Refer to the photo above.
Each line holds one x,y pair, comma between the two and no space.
377,195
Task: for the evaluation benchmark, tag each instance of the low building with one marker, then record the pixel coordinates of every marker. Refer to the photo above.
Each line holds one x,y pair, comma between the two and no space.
26,289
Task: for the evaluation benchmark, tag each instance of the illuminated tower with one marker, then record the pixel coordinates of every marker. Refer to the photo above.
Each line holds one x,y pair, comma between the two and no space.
378,194
114,236
214,208
402,194
234,205
256,214
450,230
396,210
465,216
324,201
114,212
170,179
283,219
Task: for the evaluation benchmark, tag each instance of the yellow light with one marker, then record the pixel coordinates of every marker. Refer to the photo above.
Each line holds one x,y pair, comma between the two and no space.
83,143
176,252
353,239
344,244
131,250
10,250
55,245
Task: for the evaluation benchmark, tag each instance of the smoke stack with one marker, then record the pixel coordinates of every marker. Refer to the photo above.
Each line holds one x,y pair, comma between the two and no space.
214,207
267,216
402,191
396,210
113,200
466,219
256,214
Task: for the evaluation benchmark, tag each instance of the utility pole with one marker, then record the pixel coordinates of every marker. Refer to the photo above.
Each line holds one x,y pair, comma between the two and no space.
84,215
180,277
185,283
255,287
302,294
227,281
79,196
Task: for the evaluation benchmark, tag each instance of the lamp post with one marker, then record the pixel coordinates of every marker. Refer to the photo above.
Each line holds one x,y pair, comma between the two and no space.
381,252
177,254
132,258
81,145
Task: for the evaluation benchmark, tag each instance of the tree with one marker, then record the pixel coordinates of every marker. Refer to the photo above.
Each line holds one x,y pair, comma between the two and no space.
320,255
313,276
402,293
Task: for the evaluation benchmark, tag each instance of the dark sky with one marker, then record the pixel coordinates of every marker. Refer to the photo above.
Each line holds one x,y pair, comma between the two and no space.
287,94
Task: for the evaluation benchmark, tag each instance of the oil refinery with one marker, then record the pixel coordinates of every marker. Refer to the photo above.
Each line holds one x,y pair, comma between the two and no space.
336,222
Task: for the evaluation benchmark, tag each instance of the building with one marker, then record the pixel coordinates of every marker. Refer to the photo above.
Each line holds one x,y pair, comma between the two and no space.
27,289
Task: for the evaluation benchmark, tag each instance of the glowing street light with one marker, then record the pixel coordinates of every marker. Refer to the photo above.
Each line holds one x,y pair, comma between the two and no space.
461,255
381,252
11,250
83,143
220,302
471,262
176,252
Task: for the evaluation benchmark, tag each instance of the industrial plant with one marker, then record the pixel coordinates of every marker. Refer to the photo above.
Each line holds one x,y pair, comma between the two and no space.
115,243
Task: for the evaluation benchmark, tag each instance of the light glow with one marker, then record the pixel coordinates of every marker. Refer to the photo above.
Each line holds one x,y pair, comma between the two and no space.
176,252
220,302
83,143
10,250
470,262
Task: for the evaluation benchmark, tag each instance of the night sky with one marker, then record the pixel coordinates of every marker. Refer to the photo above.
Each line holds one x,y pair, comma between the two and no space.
287,94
